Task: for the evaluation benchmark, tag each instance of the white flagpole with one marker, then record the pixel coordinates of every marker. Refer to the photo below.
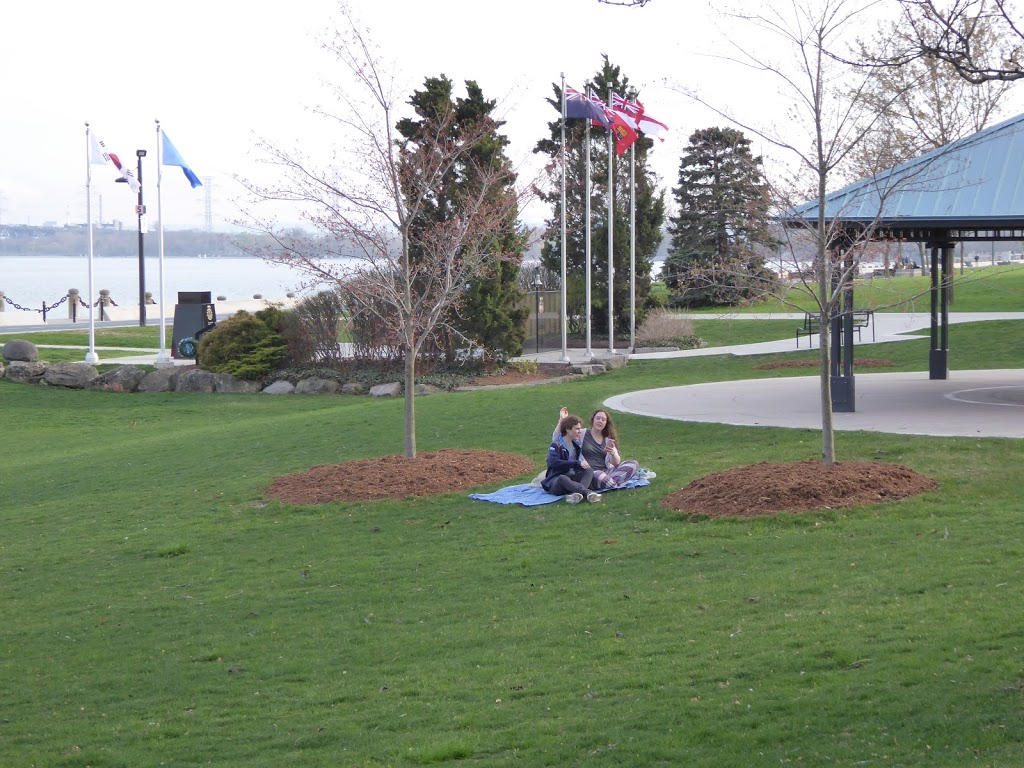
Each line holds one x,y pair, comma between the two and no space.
611,234
90,356
163,359
632,247
565,342
586,185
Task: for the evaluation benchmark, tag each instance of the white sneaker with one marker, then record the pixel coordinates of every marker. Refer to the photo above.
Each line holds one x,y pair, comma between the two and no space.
574,498
593,498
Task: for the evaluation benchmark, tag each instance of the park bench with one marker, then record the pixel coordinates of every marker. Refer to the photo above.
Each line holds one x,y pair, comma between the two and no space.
862,318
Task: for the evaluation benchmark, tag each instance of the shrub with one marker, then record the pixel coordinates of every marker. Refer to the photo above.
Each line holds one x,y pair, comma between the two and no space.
662,328
311,329
245,345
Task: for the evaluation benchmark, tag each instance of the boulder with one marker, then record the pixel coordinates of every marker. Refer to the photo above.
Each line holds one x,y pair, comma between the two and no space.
316,386
125,378
26,373
282,387
611,361
394,389
196,380
587,369
160,380
227,382
71,375
20,350
353,388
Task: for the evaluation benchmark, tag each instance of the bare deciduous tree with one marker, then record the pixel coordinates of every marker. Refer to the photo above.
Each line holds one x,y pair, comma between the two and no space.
828,118
959,33
404,268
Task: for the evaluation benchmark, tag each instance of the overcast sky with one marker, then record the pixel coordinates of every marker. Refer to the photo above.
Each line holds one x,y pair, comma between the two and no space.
220,74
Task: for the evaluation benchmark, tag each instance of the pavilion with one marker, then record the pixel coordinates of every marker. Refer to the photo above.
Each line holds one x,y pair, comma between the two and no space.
969,190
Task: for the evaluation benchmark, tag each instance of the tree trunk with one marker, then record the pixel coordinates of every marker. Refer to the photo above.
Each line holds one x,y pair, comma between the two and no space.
828,445
410,402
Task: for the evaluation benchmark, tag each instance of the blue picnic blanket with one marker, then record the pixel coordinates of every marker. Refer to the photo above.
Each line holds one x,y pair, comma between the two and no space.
533,496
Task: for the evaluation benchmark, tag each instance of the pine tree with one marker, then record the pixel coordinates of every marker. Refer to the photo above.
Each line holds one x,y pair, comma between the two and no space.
492,312
650,215
720,236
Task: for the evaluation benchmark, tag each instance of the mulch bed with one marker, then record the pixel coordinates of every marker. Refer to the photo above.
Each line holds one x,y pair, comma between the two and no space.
771,487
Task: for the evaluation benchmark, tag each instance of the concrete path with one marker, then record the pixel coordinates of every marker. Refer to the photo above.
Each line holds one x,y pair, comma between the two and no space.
968,403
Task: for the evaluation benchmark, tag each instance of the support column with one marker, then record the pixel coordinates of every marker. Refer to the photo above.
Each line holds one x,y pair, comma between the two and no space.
843,385
938,354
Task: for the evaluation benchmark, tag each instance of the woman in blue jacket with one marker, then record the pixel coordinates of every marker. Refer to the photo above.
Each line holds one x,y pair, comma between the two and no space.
568,473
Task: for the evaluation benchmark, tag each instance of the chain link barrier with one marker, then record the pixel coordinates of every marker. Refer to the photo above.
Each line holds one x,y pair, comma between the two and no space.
49,308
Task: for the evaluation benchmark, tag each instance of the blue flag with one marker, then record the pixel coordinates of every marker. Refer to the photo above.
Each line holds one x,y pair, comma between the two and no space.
578,105
172,157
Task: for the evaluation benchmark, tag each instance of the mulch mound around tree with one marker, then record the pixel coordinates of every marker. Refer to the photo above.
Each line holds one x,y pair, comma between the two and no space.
867,362
771,487
398,477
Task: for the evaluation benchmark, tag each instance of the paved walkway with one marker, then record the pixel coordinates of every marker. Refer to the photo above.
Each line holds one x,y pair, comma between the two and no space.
986,403
968,403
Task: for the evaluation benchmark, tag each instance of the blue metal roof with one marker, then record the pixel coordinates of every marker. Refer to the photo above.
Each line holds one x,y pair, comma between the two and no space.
974,182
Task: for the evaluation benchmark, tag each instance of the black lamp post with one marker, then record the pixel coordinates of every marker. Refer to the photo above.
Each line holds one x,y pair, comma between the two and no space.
537,285
140,211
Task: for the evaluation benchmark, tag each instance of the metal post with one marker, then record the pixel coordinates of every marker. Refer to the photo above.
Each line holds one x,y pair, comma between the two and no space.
141,211
537,285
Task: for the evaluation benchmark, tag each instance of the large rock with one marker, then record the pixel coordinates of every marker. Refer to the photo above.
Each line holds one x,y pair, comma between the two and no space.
71,375
282,387
227,382
26,373
586,370
394,389
611,361
353,388
125,378
160,380
19,349
316,386
196,380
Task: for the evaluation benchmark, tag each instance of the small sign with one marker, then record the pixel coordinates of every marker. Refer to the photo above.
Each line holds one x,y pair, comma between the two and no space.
140,210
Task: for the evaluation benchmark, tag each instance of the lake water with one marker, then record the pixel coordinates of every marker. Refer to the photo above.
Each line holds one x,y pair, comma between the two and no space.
29,281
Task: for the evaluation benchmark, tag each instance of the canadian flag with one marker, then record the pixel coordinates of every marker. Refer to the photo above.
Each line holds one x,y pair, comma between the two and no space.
100,156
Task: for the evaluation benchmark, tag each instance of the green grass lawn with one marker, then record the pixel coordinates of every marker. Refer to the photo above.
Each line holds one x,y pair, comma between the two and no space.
986,289
157,609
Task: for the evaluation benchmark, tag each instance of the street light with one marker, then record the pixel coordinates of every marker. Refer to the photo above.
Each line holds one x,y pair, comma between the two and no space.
140,211
537,285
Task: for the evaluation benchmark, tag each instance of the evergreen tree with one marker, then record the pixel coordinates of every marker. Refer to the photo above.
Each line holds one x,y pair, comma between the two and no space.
650,215
493,311
720,236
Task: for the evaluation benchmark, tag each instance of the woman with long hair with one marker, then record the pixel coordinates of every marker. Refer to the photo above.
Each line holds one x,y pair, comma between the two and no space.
599,446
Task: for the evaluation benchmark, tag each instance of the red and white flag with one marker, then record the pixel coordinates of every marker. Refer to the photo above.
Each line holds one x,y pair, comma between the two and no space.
636,117
98,155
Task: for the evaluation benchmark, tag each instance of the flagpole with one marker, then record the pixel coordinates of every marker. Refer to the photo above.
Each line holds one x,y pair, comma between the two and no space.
565,342
586,183
163,360
611,234
90,356
632,246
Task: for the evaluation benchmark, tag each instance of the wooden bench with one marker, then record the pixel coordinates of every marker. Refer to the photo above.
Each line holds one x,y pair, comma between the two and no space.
862,318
